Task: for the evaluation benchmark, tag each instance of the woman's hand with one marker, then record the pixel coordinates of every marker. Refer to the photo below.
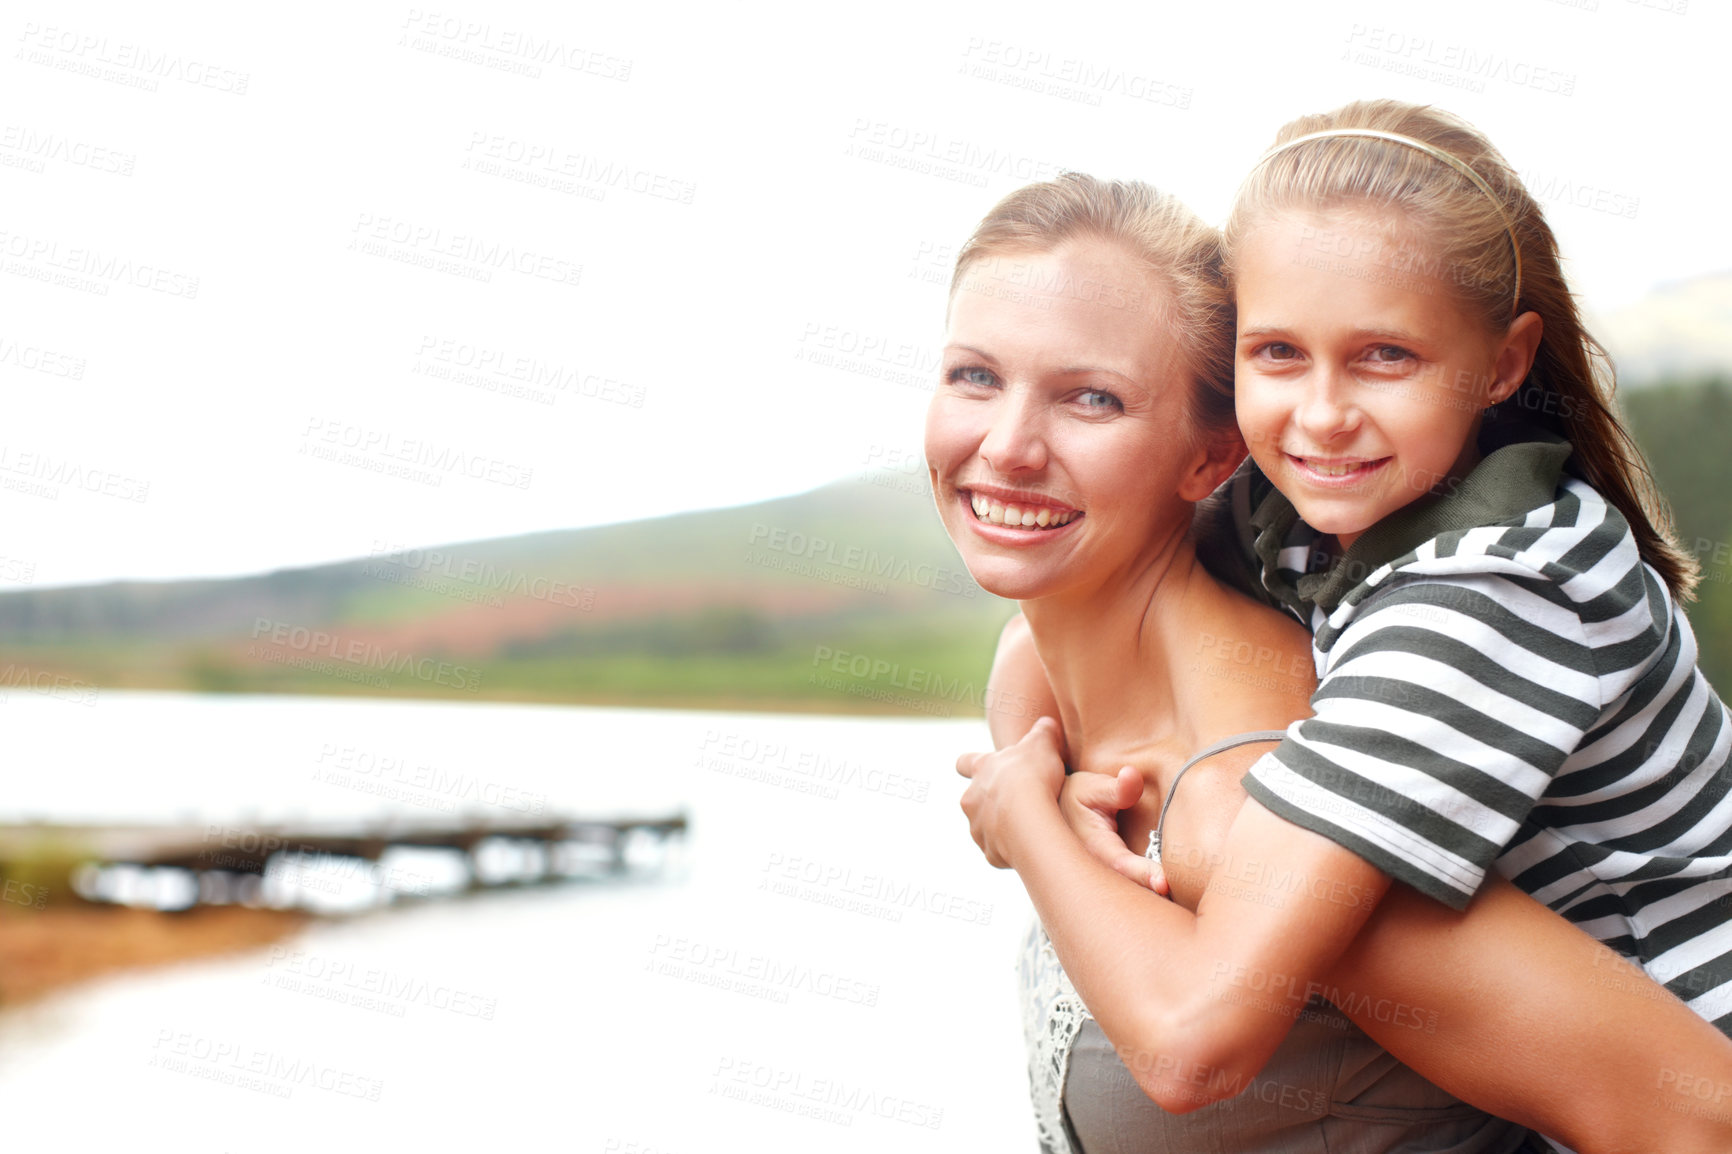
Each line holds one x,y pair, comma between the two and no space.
1030,772
1091,803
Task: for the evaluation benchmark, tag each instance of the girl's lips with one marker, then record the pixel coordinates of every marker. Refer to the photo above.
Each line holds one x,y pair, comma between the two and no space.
1341,472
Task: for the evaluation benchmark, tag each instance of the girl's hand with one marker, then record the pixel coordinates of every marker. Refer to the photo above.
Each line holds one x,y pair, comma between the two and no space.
1091,803
1031,772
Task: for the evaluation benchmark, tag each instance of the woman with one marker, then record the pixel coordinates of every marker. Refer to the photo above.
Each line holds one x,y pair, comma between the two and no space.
1084,409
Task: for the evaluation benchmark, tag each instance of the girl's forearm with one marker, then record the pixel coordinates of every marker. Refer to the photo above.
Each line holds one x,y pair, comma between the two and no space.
1507,1005
1510,1007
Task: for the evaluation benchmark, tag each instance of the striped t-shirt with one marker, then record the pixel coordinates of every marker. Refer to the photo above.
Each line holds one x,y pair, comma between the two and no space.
1502,680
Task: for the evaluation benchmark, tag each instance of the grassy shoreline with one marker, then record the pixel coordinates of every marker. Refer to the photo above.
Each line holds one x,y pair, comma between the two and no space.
815,700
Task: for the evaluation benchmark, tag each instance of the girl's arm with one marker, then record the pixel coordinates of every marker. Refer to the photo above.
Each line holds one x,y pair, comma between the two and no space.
1537,1022
1507,1005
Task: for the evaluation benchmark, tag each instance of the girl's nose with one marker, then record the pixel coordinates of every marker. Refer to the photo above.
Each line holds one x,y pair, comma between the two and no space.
1326,410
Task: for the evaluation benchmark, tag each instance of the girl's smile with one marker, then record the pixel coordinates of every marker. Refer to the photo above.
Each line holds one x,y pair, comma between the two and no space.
1323,471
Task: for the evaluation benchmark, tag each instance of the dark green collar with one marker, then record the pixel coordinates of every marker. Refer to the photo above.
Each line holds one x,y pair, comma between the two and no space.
1510,481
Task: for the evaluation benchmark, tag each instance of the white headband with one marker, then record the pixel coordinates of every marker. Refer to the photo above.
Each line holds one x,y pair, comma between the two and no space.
1434,152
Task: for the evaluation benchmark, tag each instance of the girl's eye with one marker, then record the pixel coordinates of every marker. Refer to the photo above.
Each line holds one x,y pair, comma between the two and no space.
1389,355
972,375
1095,399
1278,351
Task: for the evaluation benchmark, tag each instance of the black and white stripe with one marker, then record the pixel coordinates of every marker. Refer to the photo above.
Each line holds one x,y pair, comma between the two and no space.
1524,694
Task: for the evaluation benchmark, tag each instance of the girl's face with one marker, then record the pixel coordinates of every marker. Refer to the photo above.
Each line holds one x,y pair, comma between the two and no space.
1057,439
1359,376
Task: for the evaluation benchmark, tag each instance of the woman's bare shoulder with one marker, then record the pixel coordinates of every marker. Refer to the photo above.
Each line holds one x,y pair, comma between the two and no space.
1249,666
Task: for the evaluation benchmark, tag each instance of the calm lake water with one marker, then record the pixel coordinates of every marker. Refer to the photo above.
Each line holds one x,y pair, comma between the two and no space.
827,964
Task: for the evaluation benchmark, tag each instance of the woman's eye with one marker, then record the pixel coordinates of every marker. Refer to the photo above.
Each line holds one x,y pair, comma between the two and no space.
1278,351
1389,355
972,375
1095,399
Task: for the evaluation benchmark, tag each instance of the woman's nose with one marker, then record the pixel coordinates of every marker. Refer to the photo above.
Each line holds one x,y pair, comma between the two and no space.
1016,441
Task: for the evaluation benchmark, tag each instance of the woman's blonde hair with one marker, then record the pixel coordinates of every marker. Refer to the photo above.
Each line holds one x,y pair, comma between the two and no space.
1182,252
1467,242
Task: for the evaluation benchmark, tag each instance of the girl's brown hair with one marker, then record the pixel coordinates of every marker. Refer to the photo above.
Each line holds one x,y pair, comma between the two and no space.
1181,251
1570,388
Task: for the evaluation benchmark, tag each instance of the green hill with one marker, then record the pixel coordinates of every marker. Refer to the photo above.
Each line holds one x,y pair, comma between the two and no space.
846,598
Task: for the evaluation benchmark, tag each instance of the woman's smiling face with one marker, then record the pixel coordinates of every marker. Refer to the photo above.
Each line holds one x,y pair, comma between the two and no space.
1058,442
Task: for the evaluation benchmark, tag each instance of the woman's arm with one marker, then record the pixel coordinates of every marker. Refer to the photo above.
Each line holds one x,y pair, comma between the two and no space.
1018,694
1507,1005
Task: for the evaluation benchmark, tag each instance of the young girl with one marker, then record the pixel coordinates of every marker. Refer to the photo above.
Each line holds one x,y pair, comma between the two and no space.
1505,675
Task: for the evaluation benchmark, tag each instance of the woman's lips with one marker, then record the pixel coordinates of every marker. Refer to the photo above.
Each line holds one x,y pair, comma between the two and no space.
1008,517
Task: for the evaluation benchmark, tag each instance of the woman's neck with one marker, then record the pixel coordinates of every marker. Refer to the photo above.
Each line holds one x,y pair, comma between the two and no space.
1115,653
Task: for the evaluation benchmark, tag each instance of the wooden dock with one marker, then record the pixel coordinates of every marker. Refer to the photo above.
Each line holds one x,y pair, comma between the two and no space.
284,866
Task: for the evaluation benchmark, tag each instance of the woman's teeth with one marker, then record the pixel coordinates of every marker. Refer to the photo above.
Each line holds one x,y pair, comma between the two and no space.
1039,518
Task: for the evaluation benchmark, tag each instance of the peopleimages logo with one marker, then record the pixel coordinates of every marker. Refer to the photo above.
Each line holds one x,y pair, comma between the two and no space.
869,893
465,253
39,255
435,570
745,756
382,450
241,1064
121,61
52,472
312,645
861,560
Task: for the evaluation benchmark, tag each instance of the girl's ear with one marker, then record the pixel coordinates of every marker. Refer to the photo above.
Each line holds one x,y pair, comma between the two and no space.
1214,462
1521,344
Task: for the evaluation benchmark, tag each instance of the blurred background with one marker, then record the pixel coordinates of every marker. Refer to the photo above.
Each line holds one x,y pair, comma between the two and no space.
429,430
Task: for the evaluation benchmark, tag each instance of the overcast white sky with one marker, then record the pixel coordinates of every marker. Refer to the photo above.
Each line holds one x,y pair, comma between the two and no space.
247,259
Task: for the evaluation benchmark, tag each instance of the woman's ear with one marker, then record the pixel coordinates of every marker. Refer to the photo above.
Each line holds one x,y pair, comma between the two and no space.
1215,460
1515,357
